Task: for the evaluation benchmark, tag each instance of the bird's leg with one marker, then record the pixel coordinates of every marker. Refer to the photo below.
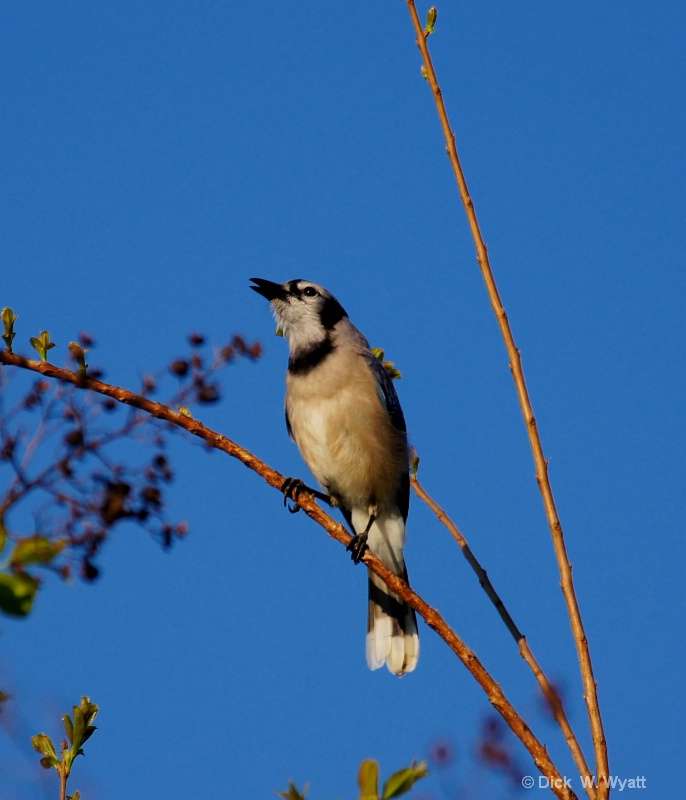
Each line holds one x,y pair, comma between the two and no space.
292,488
358,544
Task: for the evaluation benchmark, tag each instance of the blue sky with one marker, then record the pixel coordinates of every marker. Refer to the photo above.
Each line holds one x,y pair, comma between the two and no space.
155,157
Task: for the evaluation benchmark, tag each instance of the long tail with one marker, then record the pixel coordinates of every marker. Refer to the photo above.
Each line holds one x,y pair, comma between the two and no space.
392,636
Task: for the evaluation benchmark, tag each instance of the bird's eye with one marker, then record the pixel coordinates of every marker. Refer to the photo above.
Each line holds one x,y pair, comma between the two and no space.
309,291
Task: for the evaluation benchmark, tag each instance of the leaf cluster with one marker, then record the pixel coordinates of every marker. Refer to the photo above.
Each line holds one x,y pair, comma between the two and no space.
397,785
393,373
79,728
368,780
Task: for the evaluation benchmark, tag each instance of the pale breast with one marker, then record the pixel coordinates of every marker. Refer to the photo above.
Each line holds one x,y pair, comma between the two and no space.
344,434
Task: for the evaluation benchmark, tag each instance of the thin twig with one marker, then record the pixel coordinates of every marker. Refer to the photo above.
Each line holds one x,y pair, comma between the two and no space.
481,573
549,692
433,619
583,653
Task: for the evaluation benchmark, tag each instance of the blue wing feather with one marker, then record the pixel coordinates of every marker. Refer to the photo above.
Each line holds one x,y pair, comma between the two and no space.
387,394
389,400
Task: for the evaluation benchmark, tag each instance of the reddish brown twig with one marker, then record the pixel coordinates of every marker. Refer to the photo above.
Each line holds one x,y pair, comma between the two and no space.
336,531
583,653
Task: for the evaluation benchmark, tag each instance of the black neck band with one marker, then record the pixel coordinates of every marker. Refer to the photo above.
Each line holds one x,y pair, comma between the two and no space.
304,362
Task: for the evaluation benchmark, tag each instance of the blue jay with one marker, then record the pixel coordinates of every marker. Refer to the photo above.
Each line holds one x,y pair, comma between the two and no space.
343,413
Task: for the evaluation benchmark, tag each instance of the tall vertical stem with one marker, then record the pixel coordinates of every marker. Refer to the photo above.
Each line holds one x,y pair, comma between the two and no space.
581,642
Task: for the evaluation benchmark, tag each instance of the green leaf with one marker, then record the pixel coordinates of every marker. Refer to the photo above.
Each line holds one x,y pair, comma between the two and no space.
402,781
17,592
42,344
68,726
89,710
393,373
431,21
3,534
90,730
293,793
79,727
43,745
82,729
8,319
35,550
75,796
368,780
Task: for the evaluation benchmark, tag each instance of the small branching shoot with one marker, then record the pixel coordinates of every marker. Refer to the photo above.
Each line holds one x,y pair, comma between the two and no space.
79,729
41,344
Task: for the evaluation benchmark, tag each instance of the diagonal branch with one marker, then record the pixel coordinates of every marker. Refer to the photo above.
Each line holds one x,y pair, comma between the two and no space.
565,568
549,692
433,619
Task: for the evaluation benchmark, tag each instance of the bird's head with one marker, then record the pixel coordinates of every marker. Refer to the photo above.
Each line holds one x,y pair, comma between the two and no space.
306,312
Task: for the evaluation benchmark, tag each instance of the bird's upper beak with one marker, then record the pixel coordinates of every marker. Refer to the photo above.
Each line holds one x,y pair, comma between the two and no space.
269,289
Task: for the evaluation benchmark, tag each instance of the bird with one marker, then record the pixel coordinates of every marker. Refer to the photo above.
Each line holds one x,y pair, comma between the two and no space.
344,415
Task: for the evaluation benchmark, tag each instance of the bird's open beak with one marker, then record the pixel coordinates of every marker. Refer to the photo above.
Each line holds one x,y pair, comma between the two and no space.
268,289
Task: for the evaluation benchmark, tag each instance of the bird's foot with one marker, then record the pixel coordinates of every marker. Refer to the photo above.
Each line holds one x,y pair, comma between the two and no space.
357,547
292,488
